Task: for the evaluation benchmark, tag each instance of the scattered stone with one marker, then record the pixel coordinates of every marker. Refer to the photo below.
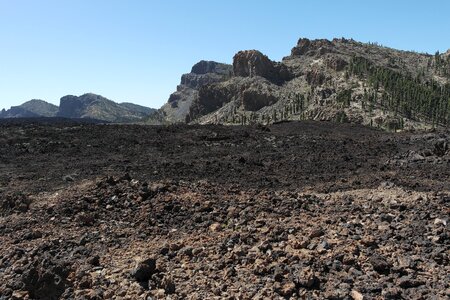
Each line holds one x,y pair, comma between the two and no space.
369,245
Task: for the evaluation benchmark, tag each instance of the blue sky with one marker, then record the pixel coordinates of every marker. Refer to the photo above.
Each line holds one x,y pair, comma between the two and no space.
136,50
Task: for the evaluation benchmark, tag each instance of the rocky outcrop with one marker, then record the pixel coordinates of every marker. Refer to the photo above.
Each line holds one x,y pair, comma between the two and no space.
30,109
338,80
253,63
206,72
250,93
207,67
254,86
312,48
179,103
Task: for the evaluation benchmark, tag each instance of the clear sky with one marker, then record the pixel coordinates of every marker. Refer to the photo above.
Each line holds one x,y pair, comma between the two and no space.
136,50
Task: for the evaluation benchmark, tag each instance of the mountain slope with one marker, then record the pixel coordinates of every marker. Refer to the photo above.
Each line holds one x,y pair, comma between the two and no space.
30,109
98,107
340,80
87,106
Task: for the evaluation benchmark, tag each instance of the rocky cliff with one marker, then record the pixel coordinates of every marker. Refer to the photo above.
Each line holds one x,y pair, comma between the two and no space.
340,80
177,107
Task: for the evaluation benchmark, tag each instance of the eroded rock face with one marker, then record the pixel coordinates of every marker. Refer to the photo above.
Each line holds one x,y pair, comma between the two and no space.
203,73
72,106
312,48
315,77
196,81
254,99
336,63
253,63
252,93
210,98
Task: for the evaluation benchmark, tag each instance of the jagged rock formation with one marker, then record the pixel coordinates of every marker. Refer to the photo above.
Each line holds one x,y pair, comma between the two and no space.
253,63
340,80
177,107
93,106
30,109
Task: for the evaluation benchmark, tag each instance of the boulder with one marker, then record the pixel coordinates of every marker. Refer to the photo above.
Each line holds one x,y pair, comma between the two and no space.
144,270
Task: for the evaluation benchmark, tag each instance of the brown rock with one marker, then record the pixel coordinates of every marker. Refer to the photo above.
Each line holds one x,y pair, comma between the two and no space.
316,232
216,227
253,63
356,295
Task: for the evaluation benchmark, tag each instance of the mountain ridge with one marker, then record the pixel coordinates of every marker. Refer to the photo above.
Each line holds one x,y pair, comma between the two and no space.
86,106
330,80
32,108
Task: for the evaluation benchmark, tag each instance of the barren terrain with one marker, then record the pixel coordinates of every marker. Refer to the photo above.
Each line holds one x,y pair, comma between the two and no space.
302,210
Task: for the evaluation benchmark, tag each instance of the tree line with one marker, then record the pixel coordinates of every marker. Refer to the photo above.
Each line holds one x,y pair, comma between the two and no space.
413,96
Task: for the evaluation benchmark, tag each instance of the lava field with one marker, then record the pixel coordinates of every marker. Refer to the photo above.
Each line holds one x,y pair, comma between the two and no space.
296,210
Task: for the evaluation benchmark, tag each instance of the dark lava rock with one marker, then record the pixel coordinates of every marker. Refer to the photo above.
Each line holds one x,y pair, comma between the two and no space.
316,232
168,285
380,264
16,202
45,280
94,260
144,270
407,282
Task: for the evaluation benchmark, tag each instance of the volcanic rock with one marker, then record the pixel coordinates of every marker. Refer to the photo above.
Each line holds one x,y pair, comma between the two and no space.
144,270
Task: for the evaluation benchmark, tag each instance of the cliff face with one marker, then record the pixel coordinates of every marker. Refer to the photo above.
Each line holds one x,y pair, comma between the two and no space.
253,63
177,107
340,80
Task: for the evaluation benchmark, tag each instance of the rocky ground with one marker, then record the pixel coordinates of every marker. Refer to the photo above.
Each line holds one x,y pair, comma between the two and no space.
295,210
